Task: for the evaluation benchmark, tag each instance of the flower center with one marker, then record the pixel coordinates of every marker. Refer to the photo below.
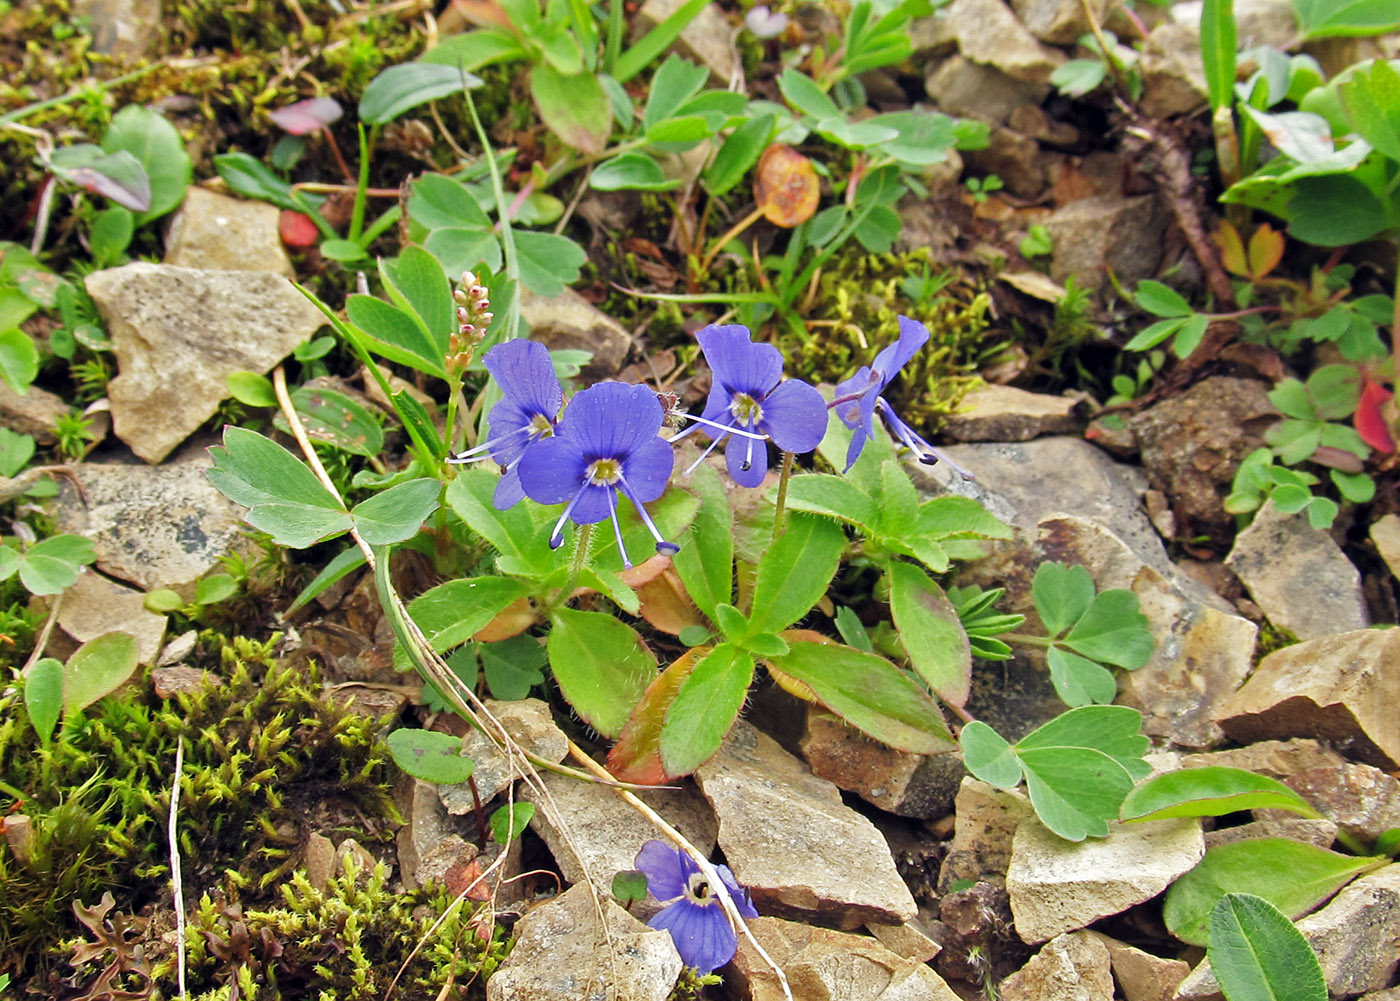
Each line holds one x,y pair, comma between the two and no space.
540,427
604,472
746,409
698,889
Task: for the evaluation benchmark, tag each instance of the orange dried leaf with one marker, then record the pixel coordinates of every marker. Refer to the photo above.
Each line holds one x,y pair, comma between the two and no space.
1232,254
666,605
1265,250
513,620
636,757
786,187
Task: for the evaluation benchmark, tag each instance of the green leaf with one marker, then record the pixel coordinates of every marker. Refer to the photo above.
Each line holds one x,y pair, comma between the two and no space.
930,633
1113,630
573,106
407,85
705,707
43,696
251,389
1257,954
283,496
472,50
1372,101
395,334
793,573
1330,18
512,666
1336,210
111,233
988,756
1079,76
510,821
437,201
731,621
1062,594
1291,875
602,666
118,176
460,249
632,171
397,514
53,565
337,419
738,155
248,177
547,262
451,613
1078,681
1075,790
656,41
19,360
705,563
835,497
1212,791
1218,51
674,82
1154,334
430,756
215,588
15,451
513,533
97,669
869,693
1114,730
629,886
805,96
924,137
953,517
1161,300
416,282
157,146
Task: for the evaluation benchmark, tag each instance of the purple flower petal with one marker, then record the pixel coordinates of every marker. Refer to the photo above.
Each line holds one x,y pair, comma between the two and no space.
701,932
648,469
745,452
306,116
739,365
593,505
509,492
552,470
526,376
507,430
912,336
794,416
740,895
665,868
612,419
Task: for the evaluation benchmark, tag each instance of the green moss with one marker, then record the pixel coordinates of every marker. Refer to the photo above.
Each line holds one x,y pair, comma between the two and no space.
1271,638
262,750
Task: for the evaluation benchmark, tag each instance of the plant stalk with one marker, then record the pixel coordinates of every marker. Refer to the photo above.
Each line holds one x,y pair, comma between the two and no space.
780,506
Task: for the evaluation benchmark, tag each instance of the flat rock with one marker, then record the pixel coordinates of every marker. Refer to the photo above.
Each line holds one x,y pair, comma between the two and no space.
1070,967
985,824
1356,938
1094,234
1059,22
606,833
1013,157
1342,688
825,965
178,679
564,952
1173,78
1363,801
967,89
990,33
707,38
1319,832
155,527
1277,551
127,30
95,605
909,940
1193,445
428,826
531,725
810,855
571,321
911,785
1140,975
1058,886
178,333
1202,656
1385,534
221,233
36,413
1257,22
1277,759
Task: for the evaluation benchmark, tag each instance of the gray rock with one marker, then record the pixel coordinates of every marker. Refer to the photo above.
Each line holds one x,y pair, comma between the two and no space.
1193,445
564,952
167,682
428,827
707,39
606,833
1014,158
908,940
1360,799
35,413
1140,975
1277,759
155,527
1031,120
1319,832
1275,553
318,859
1070,967
124,29
1202,656
968,89
571,321
95,605
1058,886
811,856
531,725
990,33
226,234
1340,688
1059,22
825,965
1385,534
933,36
1269,23
911,785
1173,78
1094,234
1005,413
986,822
178,333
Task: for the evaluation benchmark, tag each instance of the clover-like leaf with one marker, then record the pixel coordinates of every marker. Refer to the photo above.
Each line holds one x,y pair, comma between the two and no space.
1061,595
283,496
430,756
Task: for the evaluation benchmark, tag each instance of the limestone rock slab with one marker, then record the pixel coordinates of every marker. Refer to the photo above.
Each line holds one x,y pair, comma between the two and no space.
1340,688
1142,976
968,89
95,605
1058,886
221,233
178,333
990,33
792,842
1070,967
825,965
1275,553
1005,413
562,950
531,725
1094,234
1059,22
986,822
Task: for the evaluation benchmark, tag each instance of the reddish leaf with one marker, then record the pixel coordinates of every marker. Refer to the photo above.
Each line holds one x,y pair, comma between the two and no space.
514,619
307,116
297,229
666,605
786,186
636,757
1369,420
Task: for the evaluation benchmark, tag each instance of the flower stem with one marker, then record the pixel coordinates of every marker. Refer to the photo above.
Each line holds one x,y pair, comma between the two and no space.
581,546
780,509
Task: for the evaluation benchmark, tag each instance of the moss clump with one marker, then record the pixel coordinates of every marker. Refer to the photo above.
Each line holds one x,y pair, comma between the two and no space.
1271,638
263,751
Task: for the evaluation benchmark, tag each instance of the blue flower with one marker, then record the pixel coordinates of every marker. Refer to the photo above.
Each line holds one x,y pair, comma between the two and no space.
527,412
605,443
693,915
750,401
858,399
